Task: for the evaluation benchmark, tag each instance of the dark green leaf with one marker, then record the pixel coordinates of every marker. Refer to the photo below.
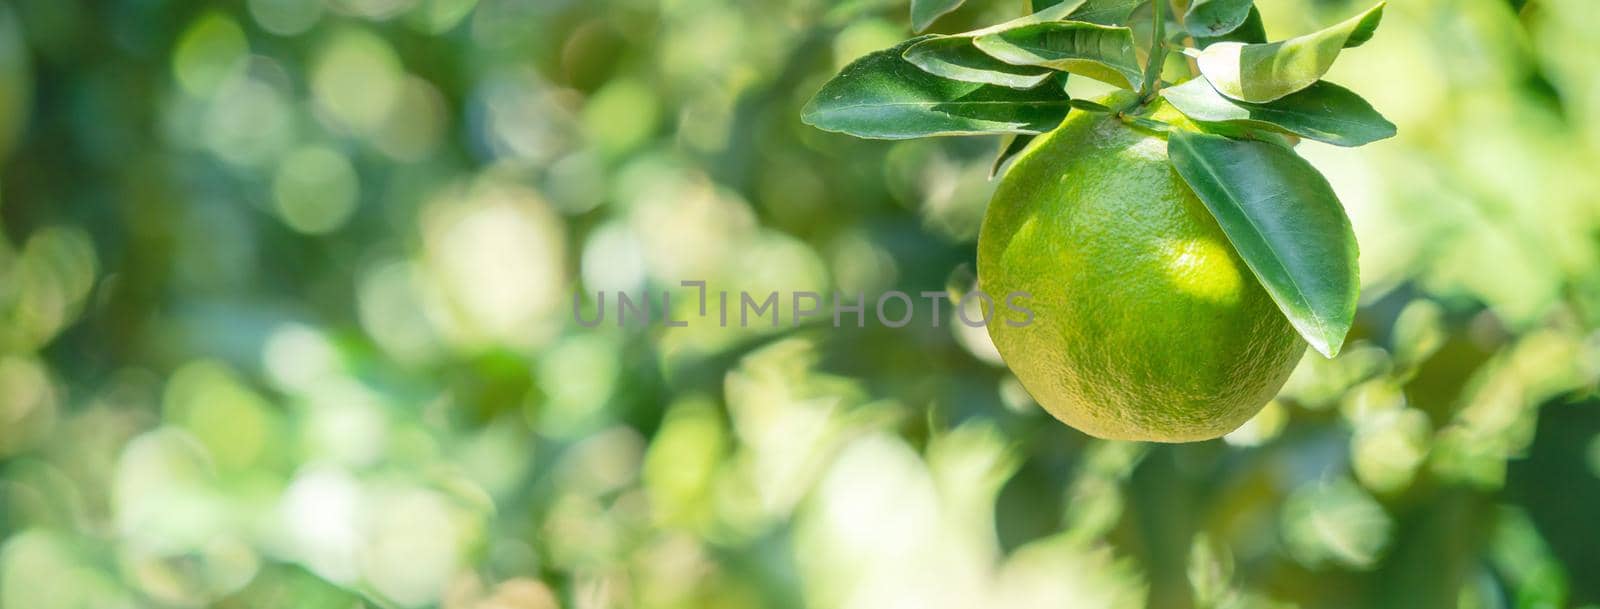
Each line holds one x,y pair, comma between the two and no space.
1212,18
1147,124
882,96
956,58
1010,146
1084,104
1285,221
1100,52
1252,31
1324,111
1059,81
1264,72
925,12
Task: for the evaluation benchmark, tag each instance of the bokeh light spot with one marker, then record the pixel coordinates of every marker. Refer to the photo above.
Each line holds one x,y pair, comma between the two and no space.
357,79
316,190
210,51
286,17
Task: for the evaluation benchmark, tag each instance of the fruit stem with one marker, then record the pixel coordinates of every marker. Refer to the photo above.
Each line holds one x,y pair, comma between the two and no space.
1158,52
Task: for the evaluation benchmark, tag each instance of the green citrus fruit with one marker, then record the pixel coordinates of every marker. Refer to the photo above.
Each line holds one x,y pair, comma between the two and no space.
1147,324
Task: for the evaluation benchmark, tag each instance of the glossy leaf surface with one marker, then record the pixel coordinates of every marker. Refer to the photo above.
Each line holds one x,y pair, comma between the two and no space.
1324,111
1265,72
1285,221
1104,53
883,96
956,58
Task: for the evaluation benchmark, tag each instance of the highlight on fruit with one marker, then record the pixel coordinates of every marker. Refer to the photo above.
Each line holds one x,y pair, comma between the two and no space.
1180,252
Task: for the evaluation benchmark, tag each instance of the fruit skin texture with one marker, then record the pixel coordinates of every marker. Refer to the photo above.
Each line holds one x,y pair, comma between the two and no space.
1148,325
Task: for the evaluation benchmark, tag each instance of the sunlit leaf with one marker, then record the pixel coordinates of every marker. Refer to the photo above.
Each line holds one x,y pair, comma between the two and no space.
1324,112
1285,221
1100,52
1054,12
955,57
1419,331
1335,522
1210,571
1264,72
882,96
1387,448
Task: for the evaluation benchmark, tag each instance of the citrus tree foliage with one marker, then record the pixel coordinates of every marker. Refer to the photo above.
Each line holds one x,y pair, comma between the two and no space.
285,292
1281,215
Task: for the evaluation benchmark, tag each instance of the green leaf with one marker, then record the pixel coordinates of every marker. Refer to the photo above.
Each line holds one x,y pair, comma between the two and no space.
1142,22
1105,12
1010,147
1054,12
1285,221
1089,106
1252,31
884,97
1264,72
925,12
956,58
1212,18
1324,111
1100,52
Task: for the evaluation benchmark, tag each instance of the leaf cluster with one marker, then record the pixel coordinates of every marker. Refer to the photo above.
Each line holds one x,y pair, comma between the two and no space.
1247,101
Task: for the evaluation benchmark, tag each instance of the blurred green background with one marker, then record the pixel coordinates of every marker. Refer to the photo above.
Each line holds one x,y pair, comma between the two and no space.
285,321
